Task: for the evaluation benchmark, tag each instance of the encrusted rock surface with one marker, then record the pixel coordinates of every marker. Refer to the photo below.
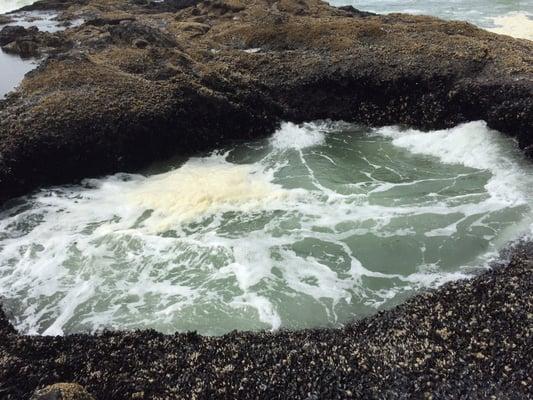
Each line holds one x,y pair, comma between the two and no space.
30,42
62,391
142,80
467,340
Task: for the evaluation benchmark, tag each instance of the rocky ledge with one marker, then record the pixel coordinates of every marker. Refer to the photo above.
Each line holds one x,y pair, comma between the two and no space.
140,80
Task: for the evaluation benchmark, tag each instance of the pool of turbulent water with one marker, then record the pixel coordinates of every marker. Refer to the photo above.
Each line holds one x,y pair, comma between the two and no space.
317,225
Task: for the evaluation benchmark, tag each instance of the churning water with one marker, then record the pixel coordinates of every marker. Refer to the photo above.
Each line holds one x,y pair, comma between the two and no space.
317,225
10,5
508,17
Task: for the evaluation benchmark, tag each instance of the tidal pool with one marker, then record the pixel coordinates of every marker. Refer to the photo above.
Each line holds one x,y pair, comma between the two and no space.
13,69
320,224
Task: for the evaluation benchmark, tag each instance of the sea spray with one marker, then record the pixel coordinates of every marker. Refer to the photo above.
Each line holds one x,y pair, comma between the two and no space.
513,18
11,5
515,24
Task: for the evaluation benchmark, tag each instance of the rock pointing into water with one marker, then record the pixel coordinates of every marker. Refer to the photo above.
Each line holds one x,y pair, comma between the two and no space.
141,80
31,42
62,391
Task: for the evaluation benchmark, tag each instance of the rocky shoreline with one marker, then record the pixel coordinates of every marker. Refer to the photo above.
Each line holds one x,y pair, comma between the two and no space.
140,80
468,339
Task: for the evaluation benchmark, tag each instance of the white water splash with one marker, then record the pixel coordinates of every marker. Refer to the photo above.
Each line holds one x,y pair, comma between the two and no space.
472,145
11,5
515,24
293,136
283,239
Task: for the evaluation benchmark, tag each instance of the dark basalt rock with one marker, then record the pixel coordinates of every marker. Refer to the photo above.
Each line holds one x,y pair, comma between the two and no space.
30,42
11,33
24,48
167,5
108,21
351,10
128,32
54,5
5,19
5,327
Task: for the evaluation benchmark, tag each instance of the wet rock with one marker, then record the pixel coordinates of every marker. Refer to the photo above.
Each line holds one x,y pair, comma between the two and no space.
229,6
30,42
127,32
108,21
46,5
5,19
24,48
5,326
134,88
10,33
62,391
168,5
351,10
140,43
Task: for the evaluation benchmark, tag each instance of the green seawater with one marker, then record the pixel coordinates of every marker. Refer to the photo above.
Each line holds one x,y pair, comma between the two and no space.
320,224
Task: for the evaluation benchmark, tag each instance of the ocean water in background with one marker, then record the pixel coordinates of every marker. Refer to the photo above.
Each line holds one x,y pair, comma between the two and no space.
12,68
514,18
10,5
510,17
318,225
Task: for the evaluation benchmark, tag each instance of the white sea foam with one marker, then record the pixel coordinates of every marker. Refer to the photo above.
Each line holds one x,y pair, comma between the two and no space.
200,187
293,136
516,24
472,145
10,5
